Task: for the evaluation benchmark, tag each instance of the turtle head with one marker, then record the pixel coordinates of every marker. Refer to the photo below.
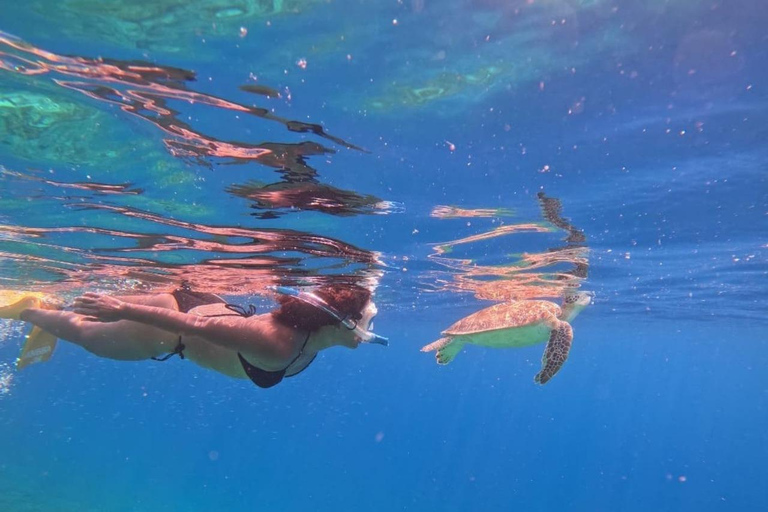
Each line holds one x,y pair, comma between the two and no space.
573,303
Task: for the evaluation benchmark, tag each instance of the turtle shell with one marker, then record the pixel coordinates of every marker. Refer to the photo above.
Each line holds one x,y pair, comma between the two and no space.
507,315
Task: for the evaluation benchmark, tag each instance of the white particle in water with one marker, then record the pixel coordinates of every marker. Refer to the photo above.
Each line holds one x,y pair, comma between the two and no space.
6,379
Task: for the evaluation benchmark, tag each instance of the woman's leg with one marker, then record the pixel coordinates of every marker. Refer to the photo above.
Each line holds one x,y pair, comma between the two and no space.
124,340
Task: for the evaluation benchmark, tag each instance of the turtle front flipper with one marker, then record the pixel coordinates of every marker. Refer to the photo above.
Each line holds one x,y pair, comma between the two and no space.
556,352
447,348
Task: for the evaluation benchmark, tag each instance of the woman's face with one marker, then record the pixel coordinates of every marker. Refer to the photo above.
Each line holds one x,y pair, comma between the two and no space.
366,323
369,312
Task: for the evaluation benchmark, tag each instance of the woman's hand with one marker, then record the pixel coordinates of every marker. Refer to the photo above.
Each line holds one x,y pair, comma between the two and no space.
102,308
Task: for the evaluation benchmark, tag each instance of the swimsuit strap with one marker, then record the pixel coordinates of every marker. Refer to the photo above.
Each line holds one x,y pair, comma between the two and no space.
237,310
179,349
240,310
301,352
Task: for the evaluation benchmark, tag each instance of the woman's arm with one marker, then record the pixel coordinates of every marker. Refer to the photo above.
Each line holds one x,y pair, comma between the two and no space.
256,335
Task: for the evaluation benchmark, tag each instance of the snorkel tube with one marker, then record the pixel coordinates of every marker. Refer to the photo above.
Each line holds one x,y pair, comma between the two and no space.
314,300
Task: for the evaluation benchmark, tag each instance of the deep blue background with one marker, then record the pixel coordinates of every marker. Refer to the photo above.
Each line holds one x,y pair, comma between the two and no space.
663,402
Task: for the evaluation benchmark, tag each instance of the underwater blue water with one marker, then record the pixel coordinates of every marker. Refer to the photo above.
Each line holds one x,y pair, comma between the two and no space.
645,120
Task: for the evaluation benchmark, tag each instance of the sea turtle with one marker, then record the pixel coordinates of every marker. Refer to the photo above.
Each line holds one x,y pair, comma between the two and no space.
517,324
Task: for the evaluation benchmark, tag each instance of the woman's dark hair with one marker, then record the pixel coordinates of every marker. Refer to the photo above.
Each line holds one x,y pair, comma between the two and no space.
348,299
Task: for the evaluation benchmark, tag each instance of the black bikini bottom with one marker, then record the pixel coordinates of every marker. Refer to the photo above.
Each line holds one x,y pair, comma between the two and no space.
187,299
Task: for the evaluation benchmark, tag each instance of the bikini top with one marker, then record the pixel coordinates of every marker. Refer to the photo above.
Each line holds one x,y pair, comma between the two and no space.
259,376
267,379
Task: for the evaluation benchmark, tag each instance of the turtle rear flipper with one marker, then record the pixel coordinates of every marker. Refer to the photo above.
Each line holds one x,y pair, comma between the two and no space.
555,353
447,348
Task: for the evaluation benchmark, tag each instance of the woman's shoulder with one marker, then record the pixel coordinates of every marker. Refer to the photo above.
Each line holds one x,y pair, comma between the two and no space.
283,343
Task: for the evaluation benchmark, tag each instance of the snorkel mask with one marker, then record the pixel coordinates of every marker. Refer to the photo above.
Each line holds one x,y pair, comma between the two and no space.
314,300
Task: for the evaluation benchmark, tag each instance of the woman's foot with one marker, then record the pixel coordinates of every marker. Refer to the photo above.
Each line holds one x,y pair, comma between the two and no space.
19,301
39,344
37,349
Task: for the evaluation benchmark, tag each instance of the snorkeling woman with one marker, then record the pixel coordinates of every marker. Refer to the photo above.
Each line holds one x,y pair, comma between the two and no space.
203,328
